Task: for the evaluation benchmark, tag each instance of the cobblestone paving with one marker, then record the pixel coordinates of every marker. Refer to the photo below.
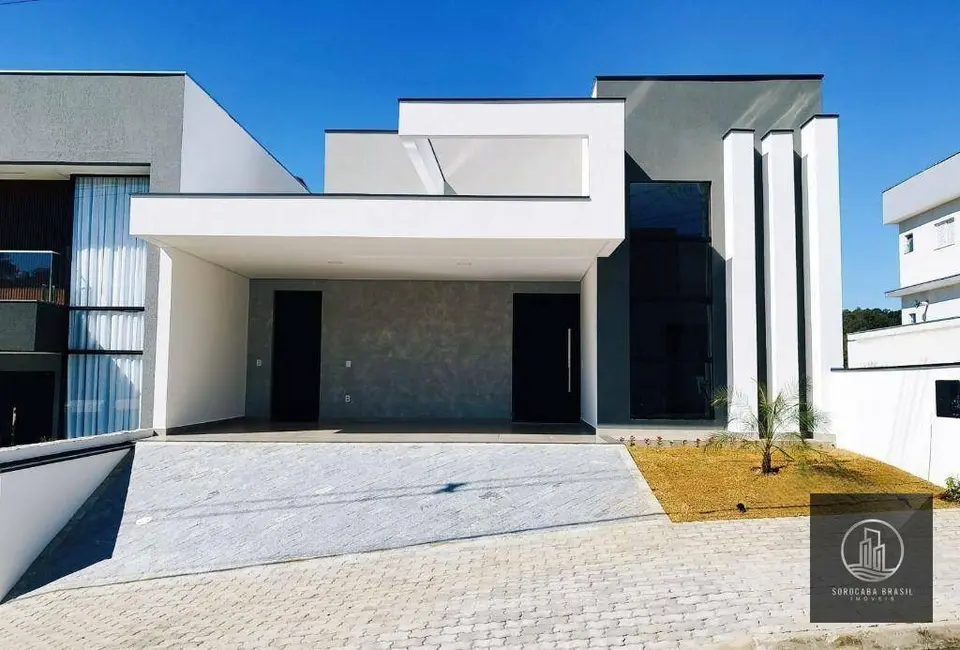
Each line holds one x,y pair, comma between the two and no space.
642,584
198,507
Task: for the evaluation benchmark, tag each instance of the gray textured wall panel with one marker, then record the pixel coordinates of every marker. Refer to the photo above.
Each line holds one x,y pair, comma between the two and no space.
417,349
76,118
674,132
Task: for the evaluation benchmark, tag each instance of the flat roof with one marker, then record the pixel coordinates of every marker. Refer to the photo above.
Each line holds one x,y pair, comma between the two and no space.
921,287
927,168
711,77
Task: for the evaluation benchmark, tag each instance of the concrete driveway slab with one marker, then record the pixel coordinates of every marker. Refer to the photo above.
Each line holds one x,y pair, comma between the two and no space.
182,508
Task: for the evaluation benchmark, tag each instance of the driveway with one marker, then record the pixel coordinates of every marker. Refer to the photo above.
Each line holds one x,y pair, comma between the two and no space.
645,584
183,508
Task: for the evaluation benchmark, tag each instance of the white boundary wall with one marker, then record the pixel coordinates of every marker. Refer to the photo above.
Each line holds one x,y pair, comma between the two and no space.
37,502
890,414
922,343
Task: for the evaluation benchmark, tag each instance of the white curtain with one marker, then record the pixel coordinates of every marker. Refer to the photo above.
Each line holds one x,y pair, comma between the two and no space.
106,330
104,393
108,269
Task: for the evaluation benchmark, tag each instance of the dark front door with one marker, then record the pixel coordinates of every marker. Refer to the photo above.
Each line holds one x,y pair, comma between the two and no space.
26,407
295,394
546,357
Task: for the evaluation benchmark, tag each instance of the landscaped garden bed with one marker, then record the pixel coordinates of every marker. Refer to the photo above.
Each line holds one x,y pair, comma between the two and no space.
694,484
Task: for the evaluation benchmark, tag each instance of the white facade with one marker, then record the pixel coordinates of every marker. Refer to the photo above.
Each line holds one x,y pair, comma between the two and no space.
514,190
925,209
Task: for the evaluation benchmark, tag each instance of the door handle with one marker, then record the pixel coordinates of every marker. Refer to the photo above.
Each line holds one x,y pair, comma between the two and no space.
569,356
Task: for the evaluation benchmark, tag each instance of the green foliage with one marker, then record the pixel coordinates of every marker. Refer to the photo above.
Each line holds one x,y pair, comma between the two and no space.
953,489
861,320
779,423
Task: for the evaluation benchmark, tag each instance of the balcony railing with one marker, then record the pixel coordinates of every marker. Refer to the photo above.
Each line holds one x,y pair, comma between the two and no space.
31,275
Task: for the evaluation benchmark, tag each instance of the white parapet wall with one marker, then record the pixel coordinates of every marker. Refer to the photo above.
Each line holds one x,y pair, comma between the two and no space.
890,414
41,488
739,205
201,342
906,345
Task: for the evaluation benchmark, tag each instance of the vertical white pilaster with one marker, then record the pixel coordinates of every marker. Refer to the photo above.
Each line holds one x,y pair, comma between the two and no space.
819,152
739,216
780,262
588,346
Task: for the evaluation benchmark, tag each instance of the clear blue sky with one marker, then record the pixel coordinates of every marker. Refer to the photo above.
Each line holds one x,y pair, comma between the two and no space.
287,69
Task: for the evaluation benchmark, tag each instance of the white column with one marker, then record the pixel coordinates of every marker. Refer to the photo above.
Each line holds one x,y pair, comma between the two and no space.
780,262
739,217
821,252
588,346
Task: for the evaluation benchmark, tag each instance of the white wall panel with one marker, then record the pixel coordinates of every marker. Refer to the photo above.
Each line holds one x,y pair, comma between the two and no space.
890,415
201,342
37,502
218,155
739,205
923,343
819,152
588,347
780,261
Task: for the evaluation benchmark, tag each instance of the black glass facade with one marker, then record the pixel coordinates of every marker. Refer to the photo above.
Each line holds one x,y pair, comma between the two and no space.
671,295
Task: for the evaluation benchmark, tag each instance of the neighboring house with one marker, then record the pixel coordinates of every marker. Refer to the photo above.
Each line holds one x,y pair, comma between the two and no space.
78,294
589,259
924,208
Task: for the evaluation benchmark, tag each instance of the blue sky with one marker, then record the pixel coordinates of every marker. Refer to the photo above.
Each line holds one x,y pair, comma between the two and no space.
287,69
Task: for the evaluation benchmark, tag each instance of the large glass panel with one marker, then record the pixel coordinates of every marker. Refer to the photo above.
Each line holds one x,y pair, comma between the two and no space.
671,360
107,296
106,330
30,275
104,393
109,266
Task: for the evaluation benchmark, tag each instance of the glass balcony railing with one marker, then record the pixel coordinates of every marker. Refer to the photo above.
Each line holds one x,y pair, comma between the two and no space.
31,275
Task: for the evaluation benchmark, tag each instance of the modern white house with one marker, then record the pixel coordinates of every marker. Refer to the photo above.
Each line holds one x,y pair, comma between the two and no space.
924,209
605,261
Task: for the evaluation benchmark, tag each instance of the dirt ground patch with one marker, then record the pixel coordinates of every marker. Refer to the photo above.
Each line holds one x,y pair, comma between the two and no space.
693,484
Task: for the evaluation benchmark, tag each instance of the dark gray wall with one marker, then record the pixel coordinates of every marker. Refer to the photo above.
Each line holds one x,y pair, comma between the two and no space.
90,118
417,349
674,132
30,326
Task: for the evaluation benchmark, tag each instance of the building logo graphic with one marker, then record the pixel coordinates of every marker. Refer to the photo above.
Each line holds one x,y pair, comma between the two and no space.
872,550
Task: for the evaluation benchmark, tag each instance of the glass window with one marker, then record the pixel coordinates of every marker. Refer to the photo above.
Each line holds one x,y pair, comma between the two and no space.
944,232
671,294
107,298
908,243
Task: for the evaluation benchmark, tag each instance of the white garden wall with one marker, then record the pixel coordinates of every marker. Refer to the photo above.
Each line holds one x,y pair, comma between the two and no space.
890,414
922,343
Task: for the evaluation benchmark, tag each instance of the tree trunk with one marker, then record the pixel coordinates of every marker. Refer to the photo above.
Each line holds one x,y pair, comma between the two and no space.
766,467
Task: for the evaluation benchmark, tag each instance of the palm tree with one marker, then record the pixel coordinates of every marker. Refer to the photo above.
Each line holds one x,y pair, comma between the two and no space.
780,423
